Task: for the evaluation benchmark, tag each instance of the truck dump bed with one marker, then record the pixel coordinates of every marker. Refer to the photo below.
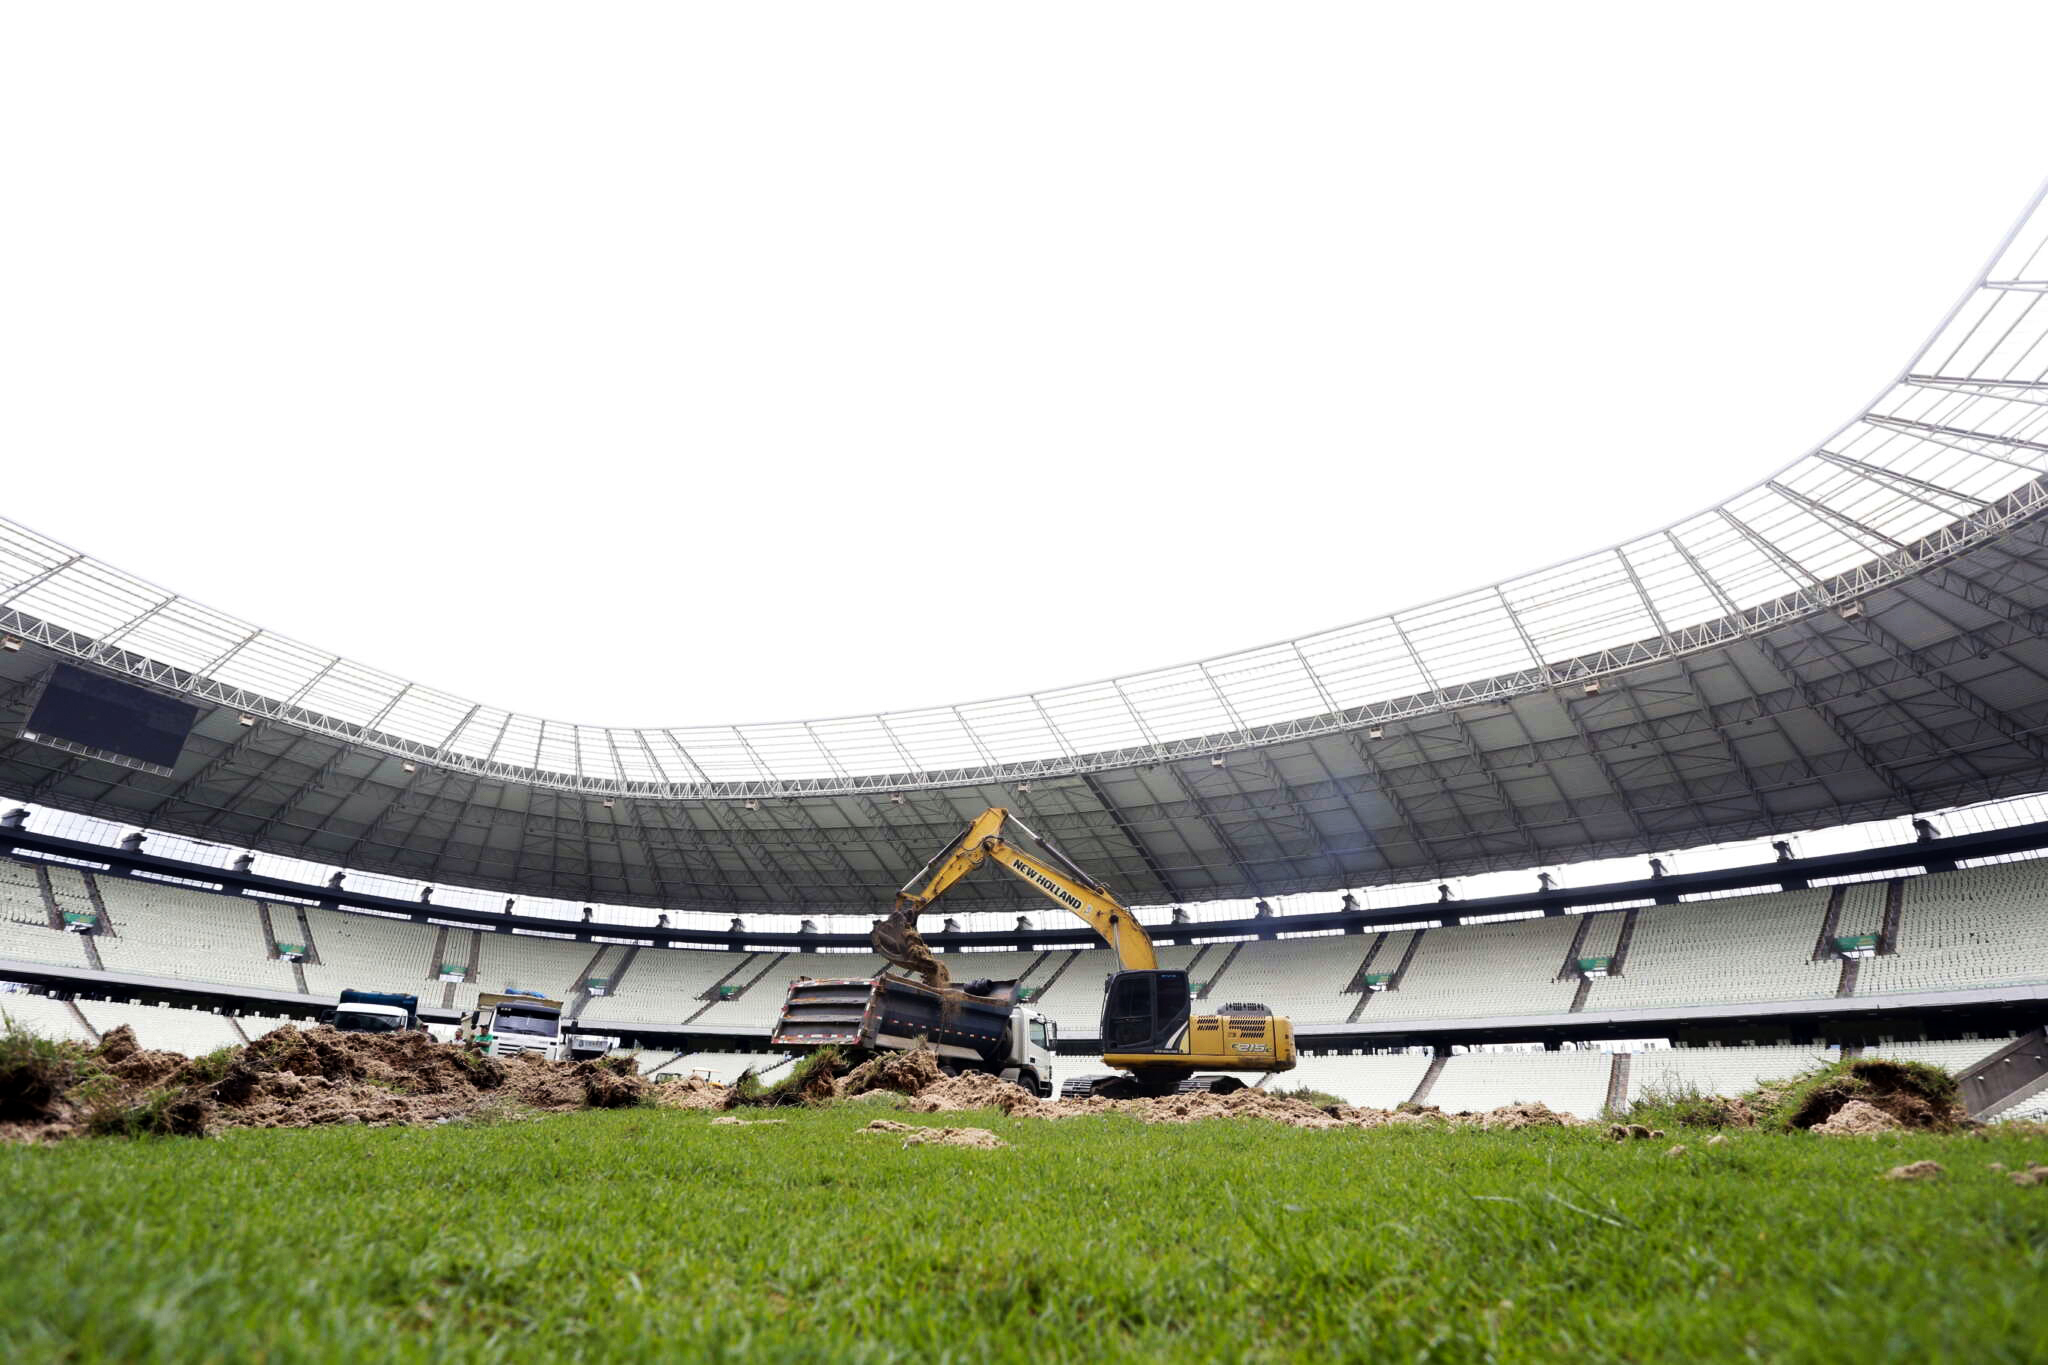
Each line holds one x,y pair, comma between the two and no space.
889,1012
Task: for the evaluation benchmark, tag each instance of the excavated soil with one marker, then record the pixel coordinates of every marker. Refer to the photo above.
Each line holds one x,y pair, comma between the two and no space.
1857,1119
692,1092
1917,1170
906,1073
303,1078
916,1074
1907,1095
914,1136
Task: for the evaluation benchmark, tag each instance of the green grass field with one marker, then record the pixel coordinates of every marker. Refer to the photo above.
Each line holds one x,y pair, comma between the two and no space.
652,1234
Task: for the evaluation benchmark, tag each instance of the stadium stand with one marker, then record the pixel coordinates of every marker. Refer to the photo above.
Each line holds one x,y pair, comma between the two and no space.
1504,968
723,1067
1297,976
1958,930
523,962
1985,926
1569,1082
42,1015
173,931
1381,1080
68,886
763,980
1719,951
164,1028
664,987
1958,1055
1720,1070
360,952
1862,909
26,939
2032,1109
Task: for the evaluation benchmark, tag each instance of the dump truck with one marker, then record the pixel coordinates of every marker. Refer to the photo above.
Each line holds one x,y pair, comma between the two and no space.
579,1047
514,1024
975,1027
375,1012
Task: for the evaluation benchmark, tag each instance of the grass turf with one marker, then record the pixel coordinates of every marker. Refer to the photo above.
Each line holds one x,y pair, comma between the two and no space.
650,1234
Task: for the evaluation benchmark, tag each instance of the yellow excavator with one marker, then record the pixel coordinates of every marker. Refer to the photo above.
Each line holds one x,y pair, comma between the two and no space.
1149,1029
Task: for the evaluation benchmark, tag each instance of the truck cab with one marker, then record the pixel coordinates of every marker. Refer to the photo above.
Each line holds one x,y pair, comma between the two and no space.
375,1012
578,1047
1031,1039
515,1024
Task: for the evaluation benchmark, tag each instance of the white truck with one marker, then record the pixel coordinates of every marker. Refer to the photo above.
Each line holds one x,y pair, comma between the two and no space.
579,1047
978,1027
375,1012
515,1024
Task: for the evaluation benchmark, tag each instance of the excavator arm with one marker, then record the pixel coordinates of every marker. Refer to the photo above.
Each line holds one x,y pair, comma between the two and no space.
1054,876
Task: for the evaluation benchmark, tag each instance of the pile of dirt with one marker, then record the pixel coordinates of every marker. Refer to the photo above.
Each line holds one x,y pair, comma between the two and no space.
1857,1119
914,1136
1917,1170
975,1090
302,1078
691,1092
1909,1094
1527,1115
905,1073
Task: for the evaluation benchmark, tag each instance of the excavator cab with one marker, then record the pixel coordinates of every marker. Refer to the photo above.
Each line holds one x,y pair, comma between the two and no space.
1144,1011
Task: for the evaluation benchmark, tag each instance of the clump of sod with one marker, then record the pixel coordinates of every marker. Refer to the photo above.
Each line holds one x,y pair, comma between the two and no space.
809,1081
36,1072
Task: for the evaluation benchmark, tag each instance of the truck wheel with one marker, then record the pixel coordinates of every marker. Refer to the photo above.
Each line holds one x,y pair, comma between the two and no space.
1029,1080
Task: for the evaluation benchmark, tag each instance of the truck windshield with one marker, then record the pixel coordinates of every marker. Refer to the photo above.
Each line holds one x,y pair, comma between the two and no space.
361,1021
544,1025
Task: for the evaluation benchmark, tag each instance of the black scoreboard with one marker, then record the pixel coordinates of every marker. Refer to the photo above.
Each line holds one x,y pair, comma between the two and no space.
91,711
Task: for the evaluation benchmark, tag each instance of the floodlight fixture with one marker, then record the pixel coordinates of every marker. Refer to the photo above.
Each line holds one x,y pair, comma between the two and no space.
753,805
951,926
246,719
1851,611
426,895
1217,761
1656,869
10,644
133,843
1351,903
1375,732
245,862
1592,688
1782,849
410,766
1261,910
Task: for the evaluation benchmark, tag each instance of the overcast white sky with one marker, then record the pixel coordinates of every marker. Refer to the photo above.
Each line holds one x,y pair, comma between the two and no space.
639,364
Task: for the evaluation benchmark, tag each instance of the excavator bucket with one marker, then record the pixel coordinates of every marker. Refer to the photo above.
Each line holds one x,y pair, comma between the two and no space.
896,939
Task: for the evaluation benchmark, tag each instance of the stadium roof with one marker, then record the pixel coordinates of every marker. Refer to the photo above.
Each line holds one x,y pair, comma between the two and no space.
1862,634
